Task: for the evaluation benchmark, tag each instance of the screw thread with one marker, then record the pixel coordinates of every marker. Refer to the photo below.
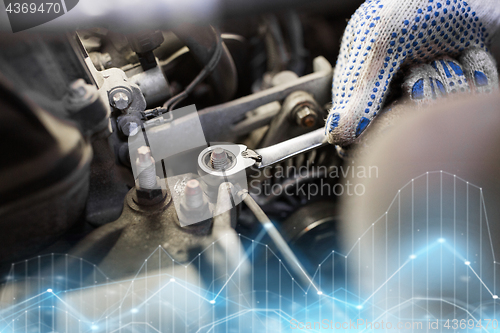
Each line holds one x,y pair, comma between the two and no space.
146,169
147,177
219,159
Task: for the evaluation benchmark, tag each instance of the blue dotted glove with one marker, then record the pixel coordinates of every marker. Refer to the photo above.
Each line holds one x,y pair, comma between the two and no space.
475,71
426,36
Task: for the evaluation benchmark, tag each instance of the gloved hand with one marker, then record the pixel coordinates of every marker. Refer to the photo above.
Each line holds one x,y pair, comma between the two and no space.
386,36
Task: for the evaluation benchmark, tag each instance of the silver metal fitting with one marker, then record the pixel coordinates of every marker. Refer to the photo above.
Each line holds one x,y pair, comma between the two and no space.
121,100
133,129
194,205
306,117
233,173
193,194
115,81
146,169
219,159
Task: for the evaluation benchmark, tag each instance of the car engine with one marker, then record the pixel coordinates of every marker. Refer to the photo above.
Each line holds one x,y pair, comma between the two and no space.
167,168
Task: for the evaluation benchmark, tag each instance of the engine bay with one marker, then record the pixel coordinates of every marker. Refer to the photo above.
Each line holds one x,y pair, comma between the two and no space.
177,175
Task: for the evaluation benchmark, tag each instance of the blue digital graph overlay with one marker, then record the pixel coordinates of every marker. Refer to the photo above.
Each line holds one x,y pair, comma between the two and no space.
429,258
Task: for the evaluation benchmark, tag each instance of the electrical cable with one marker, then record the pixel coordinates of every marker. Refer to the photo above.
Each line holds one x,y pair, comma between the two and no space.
205,72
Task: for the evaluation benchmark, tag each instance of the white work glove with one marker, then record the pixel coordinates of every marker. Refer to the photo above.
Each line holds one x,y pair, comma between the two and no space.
442,43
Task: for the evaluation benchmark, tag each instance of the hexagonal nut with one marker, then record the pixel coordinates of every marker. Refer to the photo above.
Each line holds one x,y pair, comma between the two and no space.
149,197
306,117
121,100
130,128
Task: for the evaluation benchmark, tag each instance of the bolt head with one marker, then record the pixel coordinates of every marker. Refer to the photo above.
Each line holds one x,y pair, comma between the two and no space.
120,100
144,154
306,117
219,153
193,202
193,187
133,128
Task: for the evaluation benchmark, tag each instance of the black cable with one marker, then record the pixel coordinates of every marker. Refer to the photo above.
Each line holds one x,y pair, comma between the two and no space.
171,103
205,72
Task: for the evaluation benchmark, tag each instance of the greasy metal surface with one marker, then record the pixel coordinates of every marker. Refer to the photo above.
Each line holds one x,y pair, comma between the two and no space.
121,247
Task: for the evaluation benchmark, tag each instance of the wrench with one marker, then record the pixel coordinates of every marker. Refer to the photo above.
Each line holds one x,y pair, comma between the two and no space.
273,154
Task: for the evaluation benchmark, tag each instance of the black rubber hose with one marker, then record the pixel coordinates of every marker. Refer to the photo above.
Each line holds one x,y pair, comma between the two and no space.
202,42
